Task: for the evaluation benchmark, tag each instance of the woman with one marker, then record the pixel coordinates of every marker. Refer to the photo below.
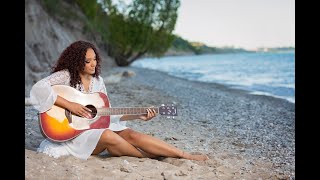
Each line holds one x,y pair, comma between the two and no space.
79,66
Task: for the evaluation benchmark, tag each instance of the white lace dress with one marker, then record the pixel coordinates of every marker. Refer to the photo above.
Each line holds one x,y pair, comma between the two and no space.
43,97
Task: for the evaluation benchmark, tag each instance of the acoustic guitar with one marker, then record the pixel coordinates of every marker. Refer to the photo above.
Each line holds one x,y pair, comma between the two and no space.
60,125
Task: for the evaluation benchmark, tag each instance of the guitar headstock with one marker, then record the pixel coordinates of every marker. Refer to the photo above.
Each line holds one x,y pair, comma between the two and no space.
169,110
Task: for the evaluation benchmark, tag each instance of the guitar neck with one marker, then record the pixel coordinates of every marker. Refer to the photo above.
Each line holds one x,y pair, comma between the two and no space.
124,110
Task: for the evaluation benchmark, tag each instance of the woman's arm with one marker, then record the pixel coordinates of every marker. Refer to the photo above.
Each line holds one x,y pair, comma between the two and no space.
42,95
75,108
146,117
129,117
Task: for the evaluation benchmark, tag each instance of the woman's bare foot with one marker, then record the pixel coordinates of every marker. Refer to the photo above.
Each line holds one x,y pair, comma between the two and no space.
197,157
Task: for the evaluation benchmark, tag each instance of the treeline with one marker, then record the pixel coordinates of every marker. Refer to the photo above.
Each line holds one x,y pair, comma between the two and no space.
181,45
276,49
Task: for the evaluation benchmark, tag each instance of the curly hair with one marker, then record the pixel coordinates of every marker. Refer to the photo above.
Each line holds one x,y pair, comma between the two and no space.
73,59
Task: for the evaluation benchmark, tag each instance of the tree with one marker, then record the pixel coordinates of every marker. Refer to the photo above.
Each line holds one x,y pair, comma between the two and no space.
144,26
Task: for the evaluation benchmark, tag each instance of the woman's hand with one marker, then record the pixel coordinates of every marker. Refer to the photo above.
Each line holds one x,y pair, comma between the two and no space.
151,114
79,110
74,107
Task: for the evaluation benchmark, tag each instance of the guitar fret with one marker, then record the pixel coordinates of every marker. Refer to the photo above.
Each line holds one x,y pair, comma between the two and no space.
107,111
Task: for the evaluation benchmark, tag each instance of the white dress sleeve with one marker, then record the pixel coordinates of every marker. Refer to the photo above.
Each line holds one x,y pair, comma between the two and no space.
42,95
116,124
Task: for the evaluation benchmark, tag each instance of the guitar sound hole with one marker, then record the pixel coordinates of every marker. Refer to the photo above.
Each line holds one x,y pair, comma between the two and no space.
93,110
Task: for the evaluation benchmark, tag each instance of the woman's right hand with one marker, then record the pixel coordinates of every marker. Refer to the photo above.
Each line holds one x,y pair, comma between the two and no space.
74,107
79,109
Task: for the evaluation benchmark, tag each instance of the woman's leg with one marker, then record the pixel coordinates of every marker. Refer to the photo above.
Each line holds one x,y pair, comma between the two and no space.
116,145
156,146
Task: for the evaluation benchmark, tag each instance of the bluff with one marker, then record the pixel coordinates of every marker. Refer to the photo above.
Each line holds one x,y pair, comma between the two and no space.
46,36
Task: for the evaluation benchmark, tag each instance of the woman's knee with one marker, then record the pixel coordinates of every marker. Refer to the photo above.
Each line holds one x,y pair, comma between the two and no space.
132,135
110,137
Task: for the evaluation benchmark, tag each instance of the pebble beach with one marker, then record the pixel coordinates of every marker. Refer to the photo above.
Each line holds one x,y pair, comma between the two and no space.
245,136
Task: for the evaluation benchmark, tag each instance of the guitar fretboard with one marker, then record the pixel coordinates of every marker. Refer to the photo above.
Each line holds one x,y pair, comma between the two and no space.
124,110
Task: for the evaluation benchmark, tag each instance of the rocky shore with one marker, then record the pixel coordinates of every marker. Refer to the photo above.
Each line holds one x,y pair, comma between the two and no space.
246,136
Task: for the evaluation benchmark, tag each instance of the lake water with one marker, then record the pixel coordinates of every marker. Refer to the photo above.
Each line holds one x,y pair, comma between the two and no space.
263,73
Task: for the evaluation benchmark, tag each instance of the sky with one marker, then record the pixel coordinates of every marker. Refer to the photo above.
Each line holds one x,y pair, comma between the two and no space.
247,24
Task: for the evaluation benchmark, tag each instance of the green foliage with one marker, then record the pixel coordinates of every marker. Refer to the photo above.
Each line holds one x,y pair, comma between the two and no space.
97,18
144,26
59,10
181,45
51,5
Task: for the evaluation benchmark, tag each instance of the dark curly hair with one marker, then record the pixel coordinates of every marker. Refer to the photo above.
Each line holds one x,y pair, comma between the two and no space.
73,59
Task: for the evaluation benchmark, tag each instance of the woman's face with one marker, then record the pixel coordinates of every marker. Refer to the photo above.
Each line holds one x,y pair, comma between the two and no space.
90,62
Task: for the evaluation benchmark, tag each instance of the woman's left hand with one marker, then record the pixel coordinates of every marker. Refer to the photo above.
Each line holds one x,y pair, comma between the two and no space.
151,114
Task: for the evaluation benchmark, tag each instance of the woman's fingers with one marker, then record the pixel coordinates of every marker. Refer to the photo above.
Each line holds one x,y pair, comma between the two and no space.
84,112
148,113
87,109
151,112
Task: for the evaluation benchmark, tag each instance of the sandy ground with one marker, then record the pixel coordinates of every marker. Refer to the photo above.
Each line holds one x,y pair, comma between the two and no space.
246,136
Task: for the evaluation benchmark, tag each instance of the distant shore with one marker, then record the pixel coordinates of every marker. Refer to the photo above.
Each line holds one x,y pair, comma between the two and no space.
246,136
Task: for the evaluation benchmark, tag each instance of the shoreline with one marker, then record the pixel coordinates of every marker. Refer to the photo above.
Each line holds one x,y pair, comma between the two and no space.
212,85
246,136
222,86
